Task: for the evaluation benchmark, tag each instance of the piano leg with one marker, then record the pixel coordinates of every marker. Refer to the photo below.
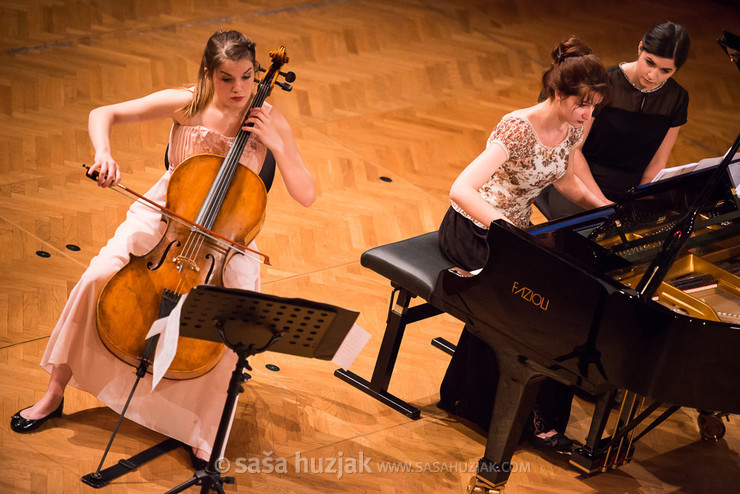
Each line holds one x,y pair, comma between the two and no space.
600,454
516,395
584,458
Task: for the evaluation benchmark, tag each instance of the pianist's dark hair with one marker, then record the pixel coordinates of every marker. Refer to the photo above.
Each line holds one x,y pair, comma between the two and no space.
668,40
575,71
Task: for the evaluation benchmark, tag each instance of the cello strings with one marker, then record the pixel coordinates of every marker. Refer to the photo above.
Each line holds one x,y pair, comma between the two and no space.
223,180
160,209
194,243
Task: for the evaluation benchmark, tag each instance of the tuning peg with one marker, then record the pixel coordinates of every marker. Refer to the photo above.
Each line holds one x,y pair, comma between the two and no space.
284,86
289,76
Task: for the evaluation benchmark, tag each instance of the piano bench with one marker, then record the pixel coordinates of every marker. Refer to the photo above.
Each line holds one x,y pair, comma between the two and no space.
412,266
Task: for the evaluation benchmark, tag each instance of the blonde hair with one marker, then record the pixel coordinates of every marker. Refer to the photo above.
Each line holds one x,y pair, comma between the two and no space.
222,46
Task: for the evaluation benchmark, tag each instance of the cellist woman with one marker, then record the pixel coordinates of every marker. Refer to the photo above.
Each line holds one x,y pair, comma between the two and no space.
205,119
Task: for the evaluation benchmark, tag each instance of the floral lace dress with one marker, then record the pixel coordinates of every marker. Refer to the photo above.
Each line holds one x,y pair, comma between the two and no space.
468,389
529,168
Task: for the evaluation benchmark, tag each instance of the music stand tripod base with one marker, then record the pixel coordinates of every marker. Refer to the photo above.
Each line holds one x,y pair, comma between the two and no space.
106,476
249,323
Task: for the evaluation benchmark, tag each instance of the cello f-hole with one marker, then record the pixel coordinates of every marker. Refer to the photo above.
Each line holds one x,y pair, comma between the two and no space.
210,257
164,256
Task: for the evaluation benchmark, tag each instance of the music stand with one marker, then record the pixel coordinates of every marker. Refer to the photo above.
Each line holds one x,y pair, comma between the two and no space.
249,323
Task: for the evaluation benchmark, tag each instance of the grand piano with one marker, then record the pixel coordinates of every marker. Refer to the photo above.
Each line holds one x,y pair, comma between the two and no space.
641,297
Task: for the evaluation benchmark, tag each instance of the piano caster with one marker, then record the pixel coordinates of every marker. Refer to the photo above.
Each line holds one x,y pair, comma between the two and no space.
710,425
479,485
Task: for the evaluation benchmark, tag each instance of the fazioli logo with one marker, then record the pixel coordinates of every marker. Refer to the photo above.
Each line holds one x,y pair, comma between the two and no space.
530,296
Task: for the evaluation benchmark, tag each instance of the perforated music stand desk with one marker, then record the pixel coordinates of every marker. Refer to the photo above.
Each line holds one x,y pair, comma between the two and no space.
306,328
250,322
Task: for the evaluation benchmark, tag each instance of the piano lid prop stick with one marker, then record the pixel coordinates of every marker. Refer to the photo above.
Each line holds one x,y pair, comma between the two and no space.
653,277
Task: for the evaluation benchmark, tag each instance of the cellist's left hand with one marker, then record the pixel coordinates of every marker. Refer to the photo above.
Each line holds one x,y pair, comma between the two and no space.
273,130
264,129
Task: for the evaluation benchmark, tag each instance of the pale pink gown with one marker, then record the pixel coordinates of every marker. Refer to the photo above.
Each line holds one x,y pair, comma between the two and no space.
187,410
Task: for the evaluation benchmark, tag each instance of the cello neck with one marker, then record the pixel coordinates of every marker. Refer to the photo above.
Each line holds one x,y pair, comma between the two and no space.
212,204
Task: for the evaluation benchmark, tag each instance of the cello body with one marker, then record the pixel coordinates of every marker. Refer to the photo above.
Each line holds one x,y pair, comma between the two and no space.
184,258
216,197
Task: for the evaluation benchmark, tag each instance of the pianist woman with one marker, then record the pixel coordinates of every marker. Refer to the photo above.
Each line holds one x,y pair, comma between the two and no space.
528,149
629,140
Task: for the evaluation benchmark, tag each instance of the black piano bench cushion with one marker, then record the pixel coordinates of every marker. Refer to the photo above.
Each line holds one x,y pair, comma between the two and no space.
414,263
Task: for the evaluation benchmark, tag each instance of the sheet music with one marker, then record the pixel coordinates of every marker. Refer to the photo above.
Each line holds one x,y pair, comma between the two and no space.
351,347
169,330
675,171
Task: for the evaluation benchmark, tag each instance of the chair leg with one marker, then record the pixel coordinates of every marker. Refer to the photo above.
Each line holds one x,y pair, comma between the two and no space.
444,345
377,387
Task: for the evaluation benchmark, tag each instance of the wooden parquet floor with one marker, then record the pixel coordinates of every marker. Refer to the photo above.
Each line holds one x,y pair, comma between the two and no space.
404,89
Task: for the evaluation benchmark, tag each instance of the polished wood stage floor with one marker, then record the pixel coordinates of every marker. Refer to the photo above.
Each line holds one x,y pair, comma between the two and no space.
403,89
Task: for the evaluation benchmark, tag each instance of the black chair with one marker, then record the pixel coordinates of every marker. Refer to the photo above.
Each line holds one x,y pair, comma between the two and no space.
412,266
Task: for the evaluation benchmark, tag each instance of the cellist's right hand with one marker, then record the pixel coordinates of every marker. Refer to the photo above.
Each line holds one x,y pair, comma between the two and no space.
109,173
162,104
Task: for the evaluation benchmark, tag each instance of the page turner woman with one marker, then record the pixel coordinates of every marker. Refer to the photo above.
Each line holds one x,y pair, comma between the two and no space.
629,140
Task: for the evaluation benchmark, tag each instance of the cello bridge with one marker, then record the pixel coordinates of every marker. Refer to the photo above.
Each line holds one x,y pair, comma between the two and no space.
182,261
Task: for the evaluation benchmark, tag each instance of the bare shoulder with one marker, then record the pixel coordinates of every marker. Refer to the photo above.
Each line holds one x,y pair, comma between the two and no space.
174,96
165,100
160,104
530,111
176,99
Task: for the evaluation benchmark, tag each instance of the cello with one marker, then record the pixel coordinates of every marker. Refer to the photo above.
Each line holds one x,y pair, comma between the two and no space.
219,203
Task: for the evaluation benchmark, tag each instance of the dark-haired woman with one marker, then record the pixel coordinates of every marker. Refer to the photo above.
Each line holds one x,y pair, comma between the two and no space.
205,120
529,149
629,140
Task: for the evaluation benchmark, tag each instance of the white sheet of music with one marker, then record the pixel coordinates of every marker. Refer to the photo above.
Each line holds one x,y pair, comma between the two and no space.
675,171
351,347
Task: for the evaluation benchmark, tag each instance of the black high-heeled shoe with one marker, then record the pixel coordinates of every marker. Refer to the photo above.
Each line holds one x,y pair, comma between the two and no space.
557,442
23,425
